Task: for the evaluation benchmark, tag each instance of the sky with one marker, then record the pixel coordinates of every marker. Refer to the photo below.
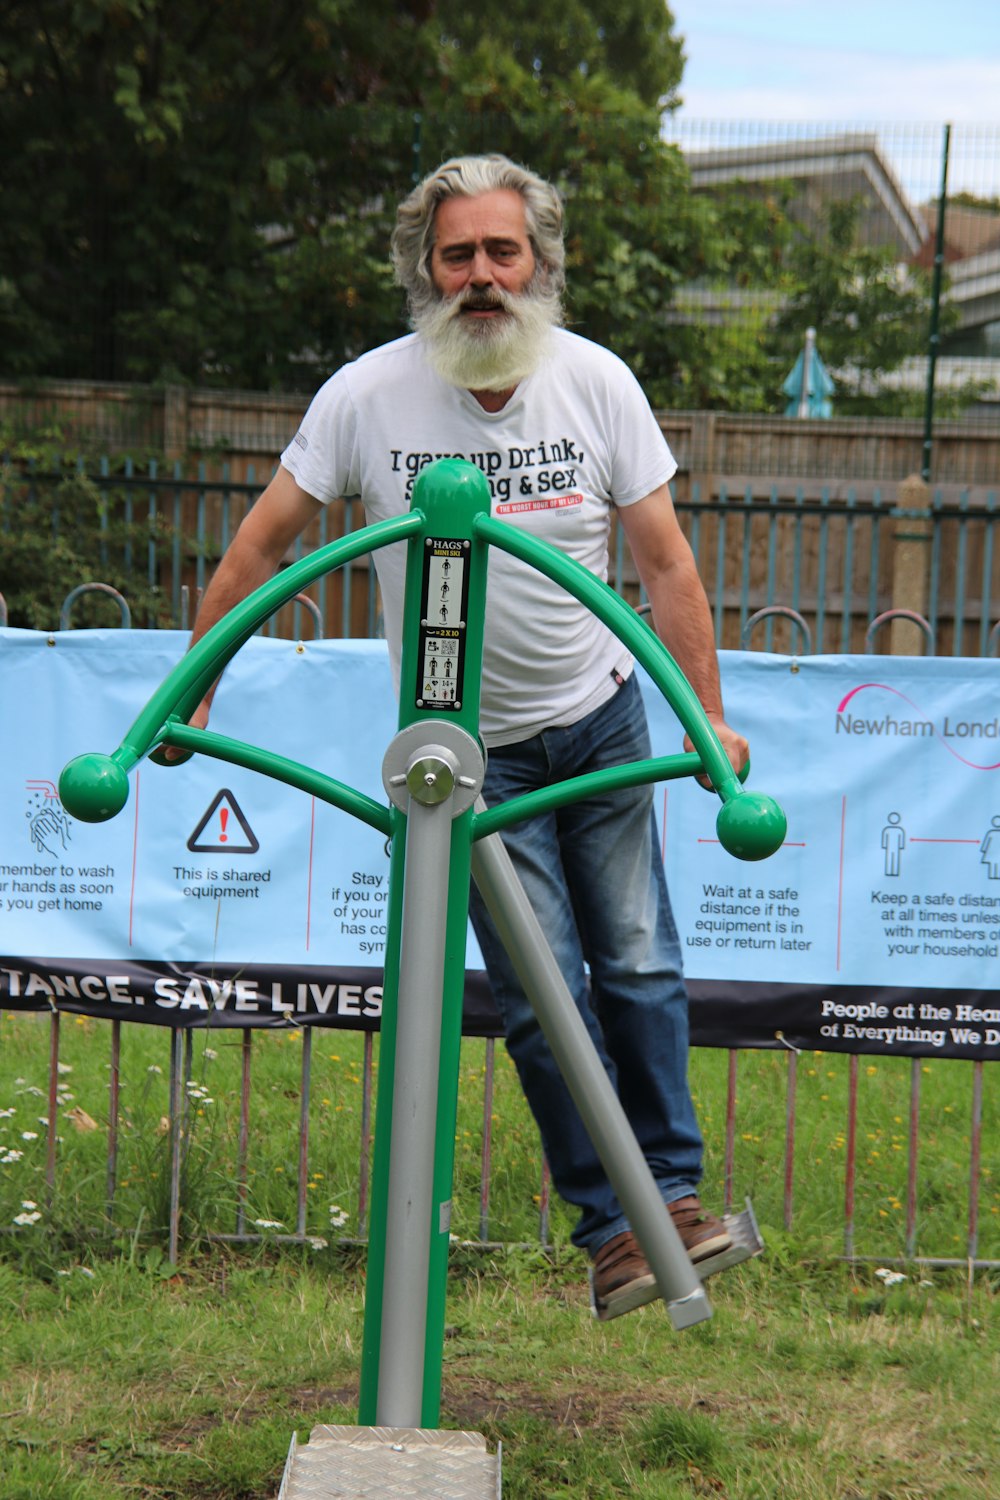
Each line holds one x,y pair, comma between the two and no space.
926,62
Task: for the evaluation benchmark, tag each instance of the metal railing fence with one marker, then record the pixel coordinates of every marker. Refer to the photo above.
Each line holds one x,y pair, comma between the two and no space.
841,563
837,555
968,1185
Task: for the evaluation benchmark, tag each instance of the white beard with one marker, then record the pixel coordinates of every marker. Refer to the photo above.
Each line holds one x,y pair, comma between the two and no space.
488,354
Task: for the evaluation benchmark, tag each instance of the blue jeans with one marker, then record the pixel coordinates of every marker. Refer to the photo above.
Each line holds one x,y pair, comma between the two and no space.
595,880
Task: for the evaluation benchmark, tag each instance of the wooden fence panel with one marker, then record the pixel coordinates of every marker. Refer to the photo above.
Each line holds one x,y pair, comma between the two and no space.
821,517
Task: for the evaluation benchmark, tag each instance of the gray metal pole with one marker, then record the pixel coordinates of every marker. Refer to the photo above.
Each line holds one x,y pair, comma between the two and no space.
588,1082
807,354
414,1114
176,1145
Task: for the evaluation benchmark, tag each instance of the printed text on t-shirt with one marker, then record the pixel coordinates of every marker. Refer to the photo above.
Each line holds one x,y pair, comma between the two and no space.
555,502
543,468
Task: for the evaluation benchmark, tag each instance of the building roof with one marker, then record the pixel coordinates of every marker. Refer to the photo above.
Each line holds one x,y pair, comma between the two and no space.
967,231
840,167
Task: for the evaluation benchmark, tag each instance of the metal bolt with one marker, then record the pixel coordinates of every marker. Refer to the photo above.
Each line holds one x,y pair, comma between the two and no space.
430,779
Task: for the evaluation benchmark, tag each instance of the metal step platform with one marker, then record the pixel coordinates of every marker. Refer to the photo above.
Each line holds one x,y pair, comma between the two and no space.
746,1242
404,1463
746,1238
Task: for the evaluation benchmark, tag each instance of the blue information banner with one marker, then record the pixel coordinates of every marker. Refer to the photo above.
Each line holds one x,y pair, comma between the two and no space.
889,771
206,861
219,894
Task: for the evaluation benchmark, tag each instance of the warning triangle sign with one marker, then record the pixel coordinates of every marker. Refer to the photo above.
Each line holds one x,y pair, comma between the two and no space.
223,829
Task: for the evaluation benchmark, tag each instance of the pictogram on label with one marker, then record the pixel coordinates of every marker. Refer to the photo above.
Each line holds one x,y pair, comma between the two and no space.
440,668
445,590
223,829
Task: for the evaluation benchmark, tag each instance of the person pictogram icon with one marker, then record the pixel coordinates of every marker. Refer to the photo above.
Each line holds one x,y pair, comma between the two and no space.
989,849
893,842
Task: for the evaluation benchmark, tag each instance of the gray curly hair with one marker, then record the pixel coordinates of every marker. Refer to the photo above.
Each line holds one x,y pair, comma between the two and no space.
468,177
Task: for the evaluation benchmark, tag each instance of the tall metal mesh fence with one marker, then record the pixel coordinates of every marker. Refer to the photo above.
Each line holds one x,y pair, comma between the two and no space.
840,288
800,269
827,327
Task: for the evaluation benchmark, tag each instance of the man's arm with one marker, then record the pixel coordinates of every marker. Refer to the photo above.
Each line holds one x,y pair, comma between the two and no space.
252,557
681,615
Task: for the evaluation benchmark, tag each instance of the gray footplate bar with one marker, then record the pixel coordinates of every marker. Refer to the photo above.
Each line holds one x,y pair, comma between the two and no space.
392,1463
746,1242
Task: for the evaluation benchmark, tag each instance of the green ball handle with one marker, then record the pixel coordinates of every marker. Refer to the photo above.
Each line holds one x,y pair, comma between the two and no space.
93,788
751,825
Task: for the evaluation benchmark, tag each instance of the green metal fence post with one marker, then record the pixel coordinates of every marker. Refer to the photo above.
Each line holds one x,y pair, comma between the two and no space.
935,337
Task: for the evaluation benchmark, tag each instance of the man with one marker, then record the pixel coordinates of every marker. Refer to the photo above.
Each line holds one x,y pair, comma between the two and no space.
564,434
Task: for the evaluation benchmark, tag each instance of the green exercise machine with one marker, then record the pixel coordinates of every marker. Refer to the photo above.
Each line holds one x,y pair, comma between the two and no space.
442,835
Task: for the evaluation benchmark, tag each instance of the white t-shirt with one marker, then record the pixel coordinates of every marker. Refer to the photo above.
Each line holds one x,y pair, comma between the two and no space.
576,438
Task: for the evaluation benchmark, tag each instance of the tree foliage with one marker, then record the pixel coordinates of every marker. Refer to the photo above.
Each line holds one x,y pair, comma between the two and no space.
61,529
873,314
204,193
773,277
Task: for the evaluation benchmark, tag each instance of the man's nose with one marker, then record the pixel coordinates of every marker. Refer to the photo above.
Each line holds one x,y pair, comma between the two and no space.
481,269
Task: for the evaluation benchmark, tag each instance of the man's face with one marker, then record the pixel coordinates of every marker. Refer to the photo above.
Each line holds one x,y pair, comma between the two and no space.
481,244
489,324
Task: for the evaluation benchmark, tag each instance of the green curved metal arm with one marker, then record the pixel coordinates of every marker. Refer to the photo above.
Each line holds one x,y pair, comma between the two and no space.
184,688
291,772
576,788
623,621
750,825
94,787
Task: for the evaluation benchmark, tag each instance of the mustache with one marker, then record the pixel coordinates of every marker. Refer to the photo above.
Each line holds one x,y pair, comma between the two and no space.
485,301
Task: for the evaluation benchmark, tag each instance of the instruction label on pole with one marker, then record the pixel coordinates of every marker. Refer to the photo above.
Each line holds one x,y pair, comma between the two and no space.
443,619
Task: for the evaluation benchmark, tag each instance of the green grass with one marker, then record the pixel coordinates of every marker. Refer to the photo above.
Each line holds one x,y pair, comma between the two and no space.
810,1382
124,1376
211,1156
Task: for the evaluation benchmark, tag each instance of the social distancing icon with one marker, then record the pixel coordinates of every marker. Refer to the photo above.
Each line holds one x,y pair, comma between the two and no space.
223,829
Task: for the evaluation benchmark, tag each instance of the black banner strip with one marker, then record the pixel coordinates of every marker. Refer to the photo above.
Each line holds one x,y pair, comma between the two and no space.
827,1018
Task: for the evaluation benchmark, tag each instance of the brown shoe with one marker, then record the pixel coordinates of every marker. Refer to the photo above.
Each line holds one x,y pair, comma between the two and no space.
621,1277
702,1234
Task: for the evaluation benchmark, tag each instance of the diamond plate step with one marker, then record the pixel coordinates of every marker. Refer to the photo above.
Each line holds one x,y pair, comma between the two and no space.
392,1463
